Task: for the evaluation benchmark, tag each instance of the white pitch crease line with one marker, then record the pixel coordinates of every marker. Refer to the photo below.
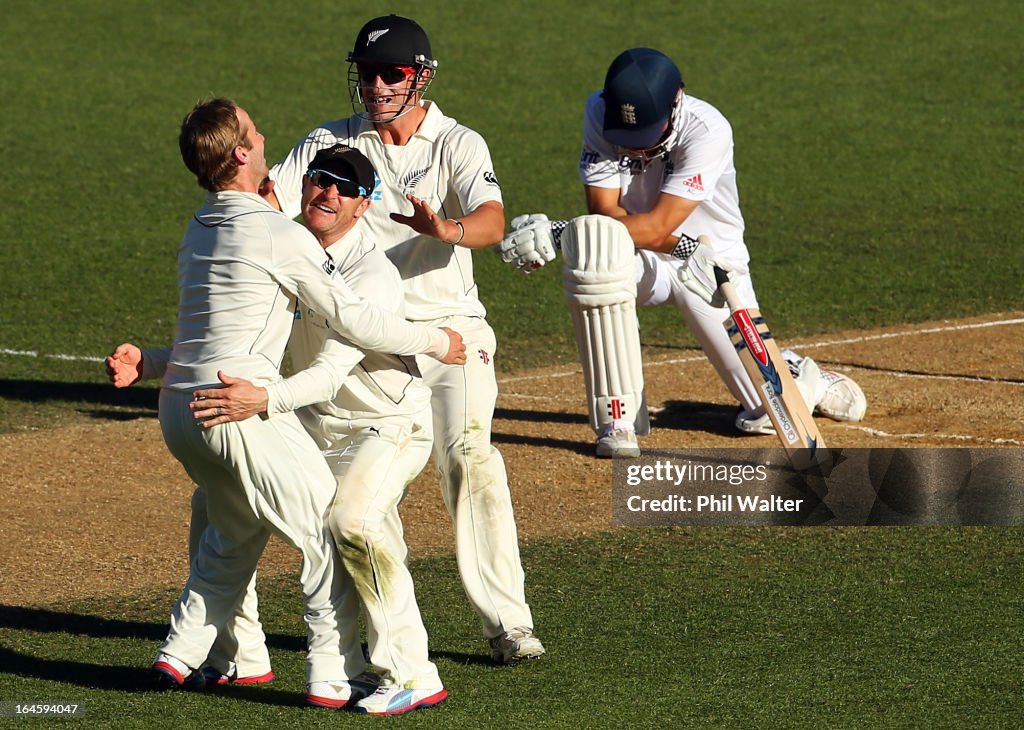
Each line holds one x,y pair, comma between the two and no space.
654,363
941,436
54,356
959,378
800,346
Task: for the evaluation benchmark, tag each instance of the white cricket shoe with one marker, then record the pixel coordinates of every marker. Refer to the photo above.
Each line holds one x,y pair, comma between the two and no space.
392,700
843,399
516,646
826,392
209,676
169,672
340,692
618,439
753,423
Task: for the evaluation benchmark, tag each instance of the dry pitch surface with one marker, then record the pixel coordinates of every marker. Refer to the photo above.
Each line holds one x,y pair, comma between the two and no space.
103,509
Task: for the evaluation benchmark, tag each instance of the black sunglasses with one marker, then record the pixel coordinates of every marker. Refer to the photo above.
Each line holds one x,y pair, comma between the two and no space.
346,188
390,75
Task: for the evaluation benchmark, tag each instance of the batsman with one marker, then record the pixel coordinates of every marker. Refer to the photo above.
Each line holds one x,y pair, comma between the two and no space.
658,174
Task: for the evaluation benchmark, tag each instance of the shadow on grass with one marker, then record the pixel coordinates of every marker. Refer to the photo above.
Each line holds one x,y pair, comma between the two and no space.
519,414
49,621
135,678
82,674
688,416
684,415
141,400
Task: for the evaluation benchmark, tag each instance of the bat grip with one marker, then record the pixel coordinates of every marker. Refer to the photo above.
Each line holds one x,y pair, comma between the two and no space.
728,290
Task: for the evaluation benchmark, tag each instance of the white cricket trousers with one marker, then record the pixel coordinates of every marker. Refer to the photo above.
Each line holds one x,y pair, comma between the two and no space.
260,476
374,462
474,484
242,642
657,282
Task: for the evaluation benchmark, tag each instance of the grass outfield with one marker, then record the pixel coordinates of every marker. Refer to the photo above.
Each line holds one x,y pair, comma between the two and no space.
645,628
877,150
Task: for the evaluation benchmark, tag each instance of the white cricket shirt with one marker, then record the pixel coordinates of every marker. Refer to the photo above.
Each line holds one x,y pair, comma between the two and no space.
698,166
241,266
343,381
444,163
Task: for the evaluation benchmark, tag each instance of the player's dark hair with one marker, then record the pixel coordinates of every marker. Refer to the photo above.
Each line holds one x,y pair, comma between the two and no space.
208,137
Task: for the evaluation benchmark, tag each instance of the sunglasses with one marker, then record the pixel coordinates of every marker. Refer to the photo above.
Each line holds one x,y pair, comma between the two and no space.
346,188
390,75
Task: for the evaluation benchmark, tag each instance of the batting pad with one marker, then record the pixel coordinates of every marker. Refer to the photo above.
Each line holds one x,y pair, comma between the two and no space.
599,274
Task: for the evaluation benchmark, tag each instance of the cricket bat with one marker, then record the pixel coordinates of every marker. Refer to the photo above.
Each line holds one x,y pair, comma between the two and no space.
770,374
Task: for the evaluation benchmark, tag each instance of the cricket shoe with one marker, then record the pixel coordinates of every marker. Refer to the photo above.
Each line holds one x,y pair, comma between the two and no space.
340,693
169,672
827,392
516,646
392,700
843,399
618,439
209,676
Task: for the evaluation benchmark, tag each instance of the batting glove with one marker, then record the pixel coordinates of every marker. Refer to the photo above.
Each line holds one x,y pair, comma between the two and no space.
530,244
698,275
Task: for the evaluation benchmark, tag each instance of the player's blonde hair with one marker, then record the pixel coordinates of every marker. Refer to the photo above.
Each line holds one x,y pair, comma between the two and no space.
208,137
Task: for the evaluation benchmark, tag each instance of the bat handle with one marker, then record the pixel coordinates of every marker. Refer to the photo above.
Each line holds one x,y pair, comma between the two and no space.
728,290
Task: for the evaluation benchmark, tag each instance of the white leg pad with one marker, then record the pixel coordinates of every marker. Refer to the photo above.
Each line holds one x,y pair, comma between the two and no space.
599,274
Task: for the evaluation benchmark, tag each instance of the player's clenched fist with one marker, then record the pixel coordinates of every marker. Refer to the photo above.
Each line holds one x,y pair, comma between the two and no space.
530,244
124,365
456,348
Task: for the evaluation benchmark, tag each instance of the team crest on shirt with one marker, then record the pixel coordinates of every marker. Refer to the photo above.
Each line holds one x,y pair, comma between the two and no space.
410,181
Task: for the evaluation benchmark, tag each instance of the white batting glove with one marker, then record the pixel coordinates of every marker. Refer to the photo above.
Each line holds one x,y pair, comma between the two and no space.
698,275
530,244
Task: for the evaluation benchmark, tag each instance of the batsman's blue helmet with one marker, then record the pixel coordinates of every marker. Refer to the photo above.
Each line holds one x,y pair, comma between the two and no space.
640,91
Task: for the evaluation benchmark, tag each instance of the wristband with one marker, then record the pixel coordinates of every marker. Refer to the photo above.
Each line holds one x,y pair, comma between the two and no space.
685,248
556,232
462,232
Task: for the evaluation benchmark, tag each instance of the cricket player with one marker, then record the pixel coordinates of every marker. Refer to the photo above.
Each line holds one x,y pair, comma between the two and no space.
375,432
657,170
438,198
242,265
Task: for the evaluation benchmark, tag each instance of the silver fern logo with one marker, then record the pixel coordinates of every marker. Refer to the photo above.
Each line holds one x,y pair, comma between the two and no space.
410,181
375,35
628,114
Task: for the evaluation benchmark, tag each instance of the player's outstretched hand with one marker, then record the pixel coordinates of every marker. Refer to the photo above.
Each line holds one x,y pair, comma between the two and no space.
236,401
530,244
456,348
124,365
698,275
426,222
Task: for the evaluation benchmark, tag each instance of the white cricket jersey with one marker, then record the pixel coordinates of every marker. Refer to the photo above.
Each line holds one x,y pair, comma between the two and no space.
444,163
241,266
698,166
371,384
